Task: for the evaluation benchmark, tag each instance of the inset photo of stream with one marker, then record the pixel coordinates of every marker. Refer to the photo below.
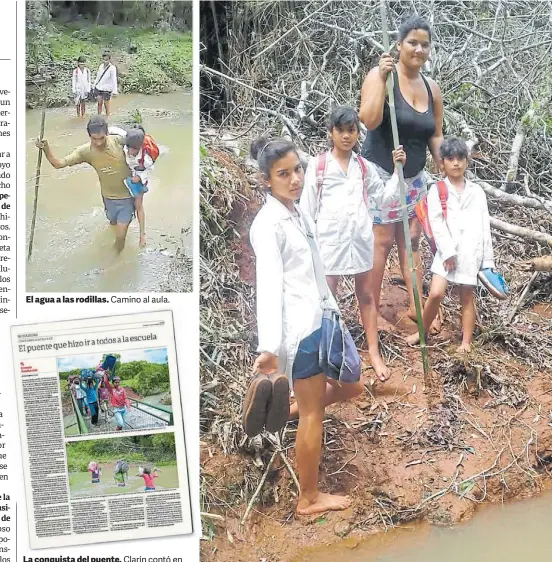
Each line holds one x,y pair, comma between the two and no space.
108,393
109,146
143,463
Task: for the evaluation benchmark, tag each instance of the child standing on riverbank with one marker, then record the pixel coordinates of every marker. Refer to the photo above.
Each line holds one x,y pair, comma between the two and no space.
336,195
81,86
295,312
462,237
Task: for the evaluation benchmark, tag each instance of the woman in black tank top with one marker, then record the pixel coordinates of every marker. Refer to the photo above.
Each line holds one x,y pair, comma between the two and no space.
419,108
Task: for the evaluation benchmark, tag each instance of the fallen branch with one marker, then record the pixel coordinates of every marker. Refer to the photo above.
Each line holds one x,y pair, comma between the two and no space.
521,231
513,162
522,297
530,202
308,17
259,488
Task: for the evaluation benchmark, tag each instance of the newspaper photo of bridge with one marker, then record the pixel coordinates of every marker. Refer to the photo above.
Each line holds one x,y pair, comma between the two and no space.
115,392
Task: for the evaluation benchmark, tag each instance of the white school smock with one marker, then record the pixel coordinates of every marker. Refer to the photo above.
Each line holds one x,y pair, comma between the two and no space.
107,82
466,233
81,83
343,226
289,307
134,161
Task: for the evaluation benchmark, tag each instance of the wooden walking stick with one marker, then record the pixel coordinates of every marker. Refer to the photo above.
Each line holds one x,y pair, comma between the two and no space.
402,185
37,182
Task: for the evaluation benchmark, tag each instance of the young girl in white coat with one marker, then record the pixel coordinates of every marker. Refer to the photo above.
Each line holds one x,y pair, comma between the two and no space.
337,198
463,240
289,312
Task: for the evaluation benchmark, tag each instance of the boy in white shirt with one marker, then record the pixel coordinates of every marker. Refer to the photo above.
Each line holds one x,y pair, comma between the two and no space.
81,85
463,239
106,84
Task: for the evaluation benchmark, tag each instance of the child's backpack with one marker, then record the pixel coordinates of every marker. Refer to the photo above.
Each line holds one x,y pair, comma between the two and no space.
121,467
108,363
422,214
320,172
150,148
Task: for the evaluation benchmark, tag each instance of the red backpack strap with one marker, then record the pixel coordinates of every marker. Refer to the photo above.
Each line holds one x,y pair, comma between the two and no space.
442,189
364,173
320,171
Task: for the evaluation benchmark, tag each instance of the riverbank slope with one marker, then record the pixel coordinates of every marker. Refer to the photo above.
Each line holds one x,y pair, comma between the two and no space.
476,430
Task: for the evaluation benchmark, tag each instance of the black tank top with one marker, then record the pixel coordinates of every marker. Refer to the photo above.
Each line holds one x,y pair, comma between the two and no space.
415,130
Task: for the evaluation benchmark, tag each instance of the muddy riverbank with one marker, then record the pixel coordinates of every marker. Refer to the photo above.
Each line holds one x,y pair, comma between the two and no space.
475,432
148,61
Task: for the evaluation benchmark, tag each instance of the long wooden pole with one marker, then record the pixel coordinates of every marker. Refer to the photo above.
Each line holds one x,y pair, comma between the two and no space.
402,185
37,182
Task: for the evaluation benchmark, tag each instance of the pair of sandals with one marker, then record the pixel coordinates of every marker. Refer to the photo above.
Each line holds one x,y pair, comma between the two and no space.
266,404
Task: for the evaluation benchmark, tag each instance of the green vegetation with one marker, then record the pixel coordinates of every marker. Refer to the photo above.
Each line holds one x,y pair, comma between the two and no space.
156,449
142,377
147,61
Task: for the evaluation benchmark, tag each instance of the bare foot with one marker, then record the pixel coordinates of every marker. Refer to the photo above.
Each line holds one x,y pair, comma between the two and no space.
435,327
322,503
142,241
464,348
380,368
384,325
414,339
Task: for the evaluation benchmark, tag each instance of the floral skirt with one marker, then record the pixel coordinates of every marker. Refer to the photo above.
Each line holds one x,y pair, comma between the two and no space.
385,208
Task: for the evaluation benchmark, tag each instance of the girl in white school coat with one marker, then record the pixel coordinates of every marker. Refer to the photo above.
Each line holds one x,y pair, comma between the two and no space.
463,239
289,313
81,85
339,204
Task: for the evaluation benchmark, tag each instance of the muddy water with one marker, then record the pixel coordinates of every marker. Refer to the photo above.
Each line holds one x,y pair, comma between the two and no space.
72,245
80,484
514,532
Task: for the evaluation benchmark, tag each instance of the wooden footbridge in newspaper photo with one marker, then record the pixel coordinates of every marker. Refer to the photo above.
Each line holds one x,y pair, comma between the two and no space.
141,415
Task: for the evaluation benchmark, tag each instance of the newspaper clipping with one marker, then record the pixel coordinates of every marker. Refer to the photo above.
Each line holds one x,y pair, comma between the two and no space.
101,429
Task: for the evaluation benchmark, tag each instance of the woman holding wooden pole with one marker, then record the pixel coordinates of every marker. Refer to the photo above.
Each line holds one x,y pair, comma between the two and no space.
419,113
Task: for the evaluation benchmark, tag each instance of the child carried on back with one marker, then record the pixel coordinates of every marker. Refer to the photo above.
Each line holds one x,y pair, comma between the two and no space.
141,152
462,236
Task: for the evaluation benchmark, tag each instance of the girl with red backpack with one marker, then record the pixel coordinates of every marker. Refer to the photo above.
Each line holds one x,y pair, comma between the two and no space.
339,185
141,152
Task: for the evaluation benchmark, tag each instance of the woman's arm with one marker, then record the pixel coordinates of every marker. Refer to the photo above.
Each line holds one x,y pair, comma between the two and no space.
437,138
372,94
74,82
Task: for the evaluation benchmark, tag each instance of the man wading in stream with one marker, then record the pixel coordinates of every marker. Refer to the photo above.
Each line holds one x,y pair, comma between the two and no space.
105,154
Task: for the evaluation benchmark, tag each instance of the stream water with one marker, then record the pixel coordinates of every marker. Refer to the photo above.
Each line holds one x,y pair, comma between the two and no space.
72,245
81,486
515,532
